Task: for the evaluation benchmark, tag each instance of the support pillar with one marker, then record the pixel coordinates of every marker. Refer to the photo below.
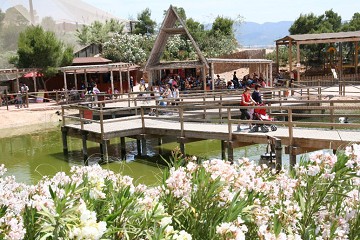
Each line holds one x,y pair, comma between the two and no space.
223,149
160,141
143,146
182,148
84,148
123,148
278,155
292,157
104,150
230,149
138,146
64,140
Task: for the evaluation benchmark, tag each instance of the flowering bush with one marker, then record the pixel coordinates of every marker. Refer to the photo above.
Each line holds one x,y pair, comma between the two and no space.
318,199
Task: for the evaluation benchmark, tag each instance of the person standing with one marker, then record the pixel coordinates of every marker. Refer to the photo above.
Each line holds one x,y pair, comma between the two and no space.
24,91
131,83
256,95
246,100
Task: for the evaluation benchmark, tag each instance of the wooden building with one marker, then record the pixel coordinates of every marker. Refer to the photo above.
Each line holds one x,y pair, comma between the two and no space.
173,25
333,39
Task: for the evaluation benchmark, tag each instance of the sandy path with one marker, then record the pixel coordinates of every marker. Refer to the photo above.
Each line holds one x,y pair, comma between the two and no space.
27,120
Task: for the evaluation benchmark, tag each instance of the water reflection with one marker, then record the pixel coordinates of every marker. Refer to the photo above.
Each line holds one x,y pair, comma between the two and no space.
30,157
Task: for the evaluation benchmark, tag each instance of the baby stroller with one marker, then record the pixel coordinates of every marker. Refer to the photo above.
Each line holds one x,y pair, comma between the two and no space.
261,115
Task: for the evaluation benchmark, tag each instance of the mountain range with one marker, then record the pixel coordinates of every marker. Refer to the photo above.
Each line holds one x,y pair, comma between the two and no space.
251,34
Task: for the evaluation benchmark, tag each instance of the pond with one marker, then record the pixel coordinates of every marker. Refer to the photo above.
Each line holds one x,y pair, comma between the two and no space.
29,157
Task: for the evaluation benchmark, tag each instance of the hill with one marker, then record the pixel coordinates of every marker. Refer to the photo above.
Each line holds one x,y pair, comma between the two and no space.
255,34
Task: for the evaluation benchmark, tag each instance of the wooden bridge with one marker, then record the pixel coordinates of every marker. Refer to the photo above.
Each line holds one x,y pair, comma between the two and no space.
302,125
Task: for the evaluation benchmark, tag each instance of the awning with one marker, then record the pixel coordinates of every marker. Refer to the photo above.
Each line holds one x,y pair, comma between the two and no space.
31,74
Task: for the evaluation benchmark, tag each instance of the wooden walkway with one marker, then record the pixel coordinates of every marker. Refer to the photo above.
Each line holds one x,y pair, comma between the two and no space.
131,126
307,121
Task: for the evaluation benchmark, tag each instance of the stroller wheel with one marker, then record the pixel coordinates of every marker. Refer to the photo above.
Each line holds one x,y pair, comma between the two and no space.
273,128
264,129
254,128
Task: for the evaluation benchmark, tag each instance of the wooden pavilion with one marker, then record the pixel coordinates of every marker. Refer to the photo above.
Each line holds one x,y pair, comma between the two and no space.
173,25
103,68
305,39
14,74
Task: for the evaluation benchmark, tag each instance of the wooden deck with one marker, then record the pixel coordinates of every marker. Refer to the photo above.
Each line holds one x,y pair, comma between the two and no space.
310,138
218,119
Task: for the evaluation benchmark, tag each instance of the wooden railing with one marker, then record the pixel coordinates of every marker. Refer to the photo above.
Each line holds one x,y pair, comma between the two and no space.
307,114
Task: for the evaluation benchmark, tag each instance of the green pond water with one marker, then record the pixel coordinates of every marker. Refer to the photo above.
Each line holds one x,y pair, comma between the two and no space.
29,157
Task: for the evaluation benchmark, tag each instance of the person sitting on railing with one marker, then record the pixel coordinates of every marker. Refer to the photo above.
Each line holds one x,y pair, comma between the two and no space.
246,100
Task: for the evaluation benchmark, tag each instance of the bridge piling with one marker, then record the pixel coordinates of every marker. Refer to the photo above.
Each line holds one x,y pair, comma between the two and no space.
138,146
123,148
223,150
64,140
84,147
230,149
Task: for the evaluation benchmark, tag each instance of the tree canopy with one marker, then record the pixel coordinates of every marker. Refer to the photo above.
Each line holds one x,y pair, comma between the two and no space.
145,24
41,49
98,33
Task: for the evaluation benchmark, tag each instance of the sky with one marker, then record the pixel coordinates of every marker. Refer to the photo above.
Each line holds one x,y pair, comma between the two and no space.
205,11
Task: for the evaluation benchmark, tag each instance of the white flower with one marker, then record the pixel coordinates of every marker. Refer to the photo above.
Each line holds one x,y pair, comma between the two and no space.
165,221
182,235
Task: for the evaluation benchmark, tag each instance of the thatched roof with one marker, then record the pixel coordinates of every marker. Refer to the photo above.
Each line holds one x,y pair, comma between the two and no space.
167,29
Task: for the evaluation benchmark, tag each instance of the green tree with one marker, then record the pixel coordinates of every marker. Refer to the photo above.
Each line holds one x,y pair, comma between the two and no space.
98,33
41,49
353,24
145,24
196,29
222,26
133,48
310,23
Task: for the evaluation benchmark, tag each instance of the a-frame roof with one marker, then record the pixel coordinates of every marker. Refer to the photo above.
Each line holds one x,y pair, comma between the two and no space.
167,29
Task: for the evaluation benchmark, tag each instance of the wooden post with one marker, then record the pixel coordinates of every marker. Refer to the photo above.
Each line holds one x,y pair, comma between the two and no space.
112,83
332,118
277,59
128,78
230,149
160,141
204,102
143,146
278,154
182,148
298,62
34,79
121,84
123,148
84,147
64,141
292,157
229,124
75,79
181,115
138,146
291,138
105,151
290,126
212,75
17,81
142,119
223,149
290,55
85,76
